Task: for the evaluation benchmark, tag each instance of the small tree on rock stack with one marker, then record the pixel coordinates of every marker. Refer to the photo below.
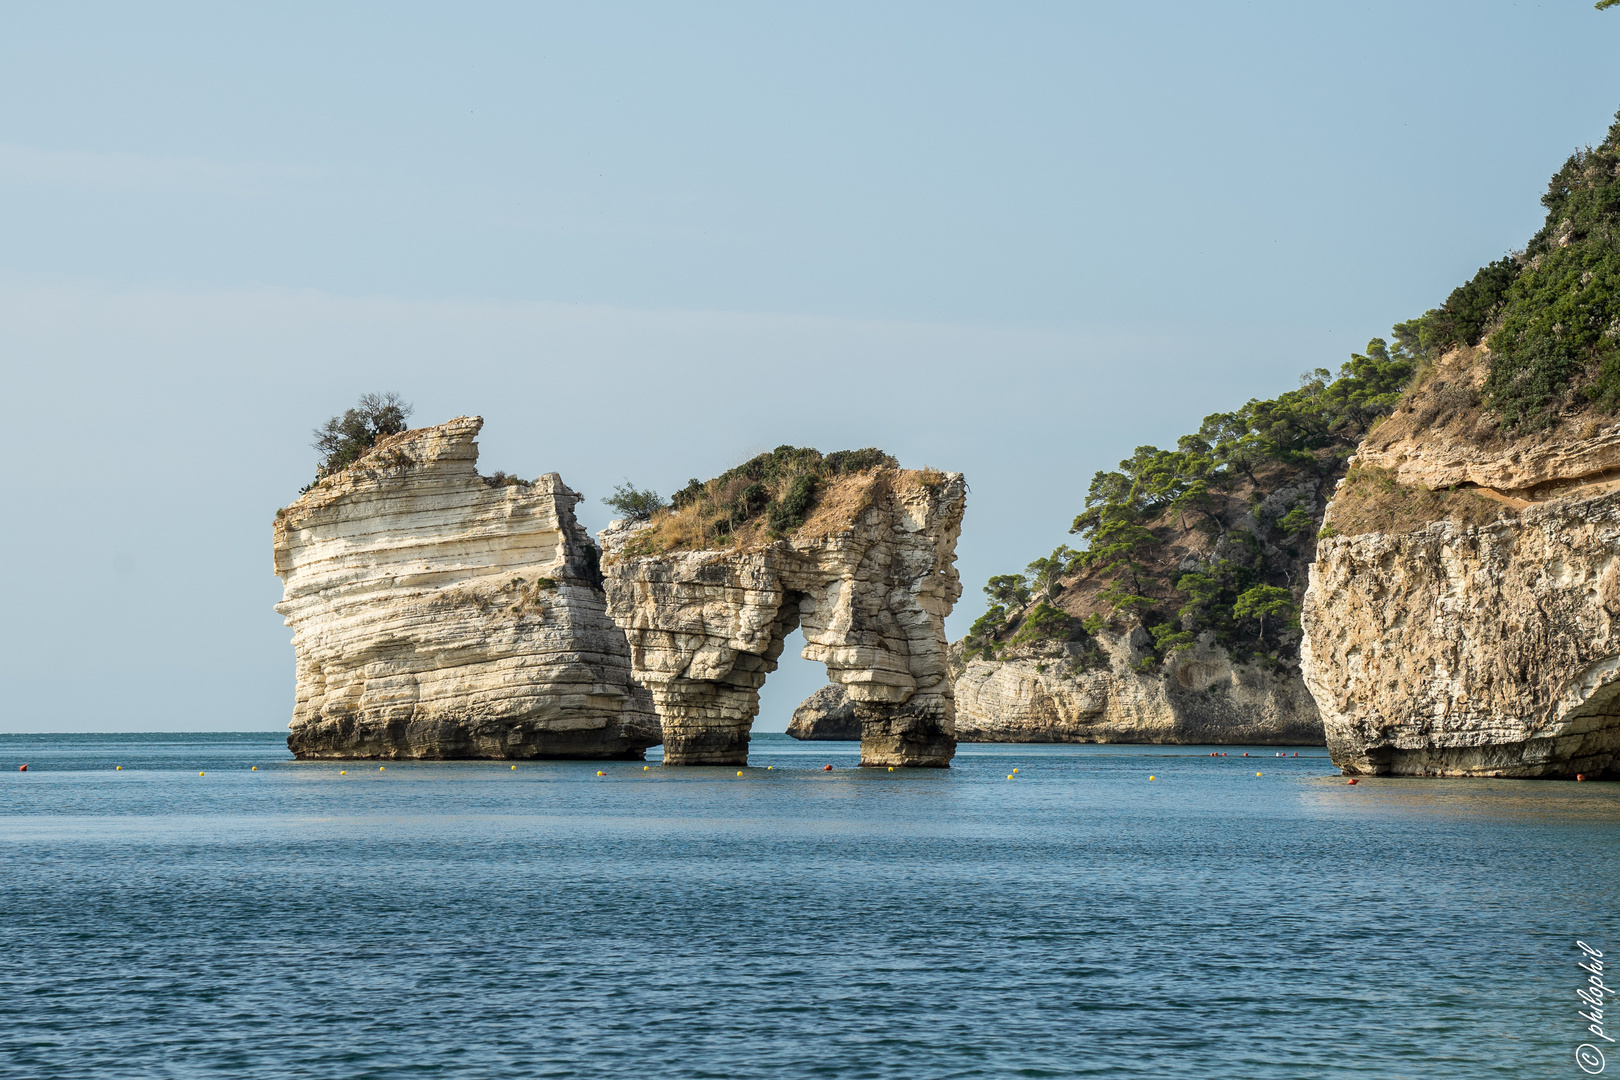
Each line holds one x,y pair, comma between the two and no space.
343,439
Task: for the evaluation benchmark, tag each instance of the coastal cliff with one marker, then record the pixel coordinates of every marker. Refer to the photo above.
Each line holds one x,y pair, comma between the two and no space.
437,613
863,562
1198,695
1461,615
1177,619
1076,694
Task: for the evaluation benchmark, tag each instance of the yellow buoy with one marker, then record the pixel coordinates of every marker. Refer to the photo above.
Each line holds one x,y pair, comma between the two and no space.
1015,770
380,768
599,772
644,768
768,768
739,772
343,772
255,768
202,774
891,769
118,768
1257,774
1009,776
514,768
1153,778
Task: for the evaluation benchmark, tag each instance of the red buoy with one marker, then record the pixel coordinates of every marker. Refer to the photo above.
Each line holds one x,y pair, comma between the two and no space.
1245,753
22,768
1578,776
826,768
1352,780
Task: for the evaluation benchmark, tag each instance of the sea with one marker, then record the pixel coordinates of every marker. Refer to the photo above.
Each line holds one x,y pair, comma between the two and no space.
201,905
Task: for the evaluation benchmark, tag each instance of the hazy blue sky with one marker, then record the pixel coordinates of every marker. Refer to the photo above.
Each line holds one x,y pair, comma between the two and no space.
645,241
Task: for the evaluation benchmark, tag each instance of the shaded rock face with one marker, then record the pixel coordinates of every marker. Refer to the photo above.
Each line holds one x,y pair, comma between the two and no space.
1199,696
438,615
826,714
870,593
1459,650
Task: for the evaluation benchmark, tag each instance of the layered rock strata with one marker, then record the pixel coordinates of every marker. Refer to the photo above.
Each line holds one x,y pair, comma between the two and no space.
1198,696
437,613
870,586
1472,650
1479,637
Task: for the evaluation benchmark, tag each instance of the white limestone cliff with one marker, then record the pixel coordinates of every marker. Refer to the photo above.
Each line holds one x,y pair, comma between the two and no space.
1461,618
437,613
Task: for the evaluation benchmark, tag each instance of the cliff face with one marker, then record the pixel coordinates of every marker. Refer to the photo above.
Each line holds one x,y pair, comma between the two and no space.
1200,695
437,614
870,578
1471,632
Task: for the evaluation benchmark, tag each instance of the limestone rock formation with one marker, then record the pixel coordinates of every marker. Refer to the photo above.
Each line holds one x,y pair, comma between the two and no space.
826,714
1463,622
1199,696
869,577
437,613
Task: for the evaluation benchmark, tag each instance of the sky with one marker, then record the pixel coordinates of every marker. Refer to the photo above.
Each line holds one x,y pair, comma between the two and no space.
646,241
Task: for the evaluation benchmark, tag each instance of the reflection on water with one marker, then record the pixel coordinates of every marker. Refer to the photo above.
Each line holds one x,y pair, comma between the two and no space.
465,919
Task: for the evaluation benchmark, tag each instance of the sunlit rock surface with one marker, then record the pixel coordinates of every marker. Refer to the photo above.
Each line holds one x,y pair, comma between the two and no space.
437,613
1198,696
870,586
1477,644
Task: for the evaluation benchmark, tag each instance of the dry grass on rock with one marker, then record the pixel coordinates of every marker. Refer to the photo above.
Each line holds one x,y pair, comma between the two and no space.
1371,501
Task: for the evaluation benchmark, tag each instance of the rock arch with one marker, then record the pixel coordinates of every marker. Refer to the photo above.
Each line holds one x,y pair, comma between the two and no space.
871,594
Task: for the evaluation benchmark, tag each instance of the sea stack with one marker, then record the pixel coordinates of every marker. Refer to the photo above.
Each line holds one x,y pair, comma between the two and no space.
857,552
437,613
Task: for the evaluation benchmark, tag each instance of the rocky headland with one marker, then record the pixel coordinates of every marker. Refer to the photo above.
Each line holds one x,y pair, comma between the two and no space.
864,563
1100,693
437,613
1461,615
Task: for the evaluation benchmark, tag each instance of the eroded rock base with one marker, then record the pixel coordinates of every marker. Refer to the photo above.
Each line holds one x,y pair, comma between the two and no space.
451,739
904,738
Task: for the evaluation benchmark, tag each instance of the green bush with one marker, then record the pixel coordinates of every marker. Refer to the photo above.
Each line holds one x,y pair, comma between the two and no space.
635,504
1558,344
342,440
780,486
788,513
1045,623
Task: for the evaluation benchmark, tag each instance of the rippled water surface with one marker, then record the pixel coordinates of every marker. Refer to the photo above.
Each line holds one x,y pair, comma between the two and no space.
1077,919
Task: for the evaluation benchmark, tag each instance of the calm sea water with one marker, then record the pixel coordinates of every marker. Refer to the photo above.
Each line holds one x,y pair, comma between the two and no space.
469,920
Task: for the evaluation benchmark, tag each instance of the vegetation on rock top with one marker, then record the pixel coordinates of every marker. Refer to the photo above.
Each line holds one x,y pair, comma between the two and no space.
344,439
1216,535
1550,315
766,497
